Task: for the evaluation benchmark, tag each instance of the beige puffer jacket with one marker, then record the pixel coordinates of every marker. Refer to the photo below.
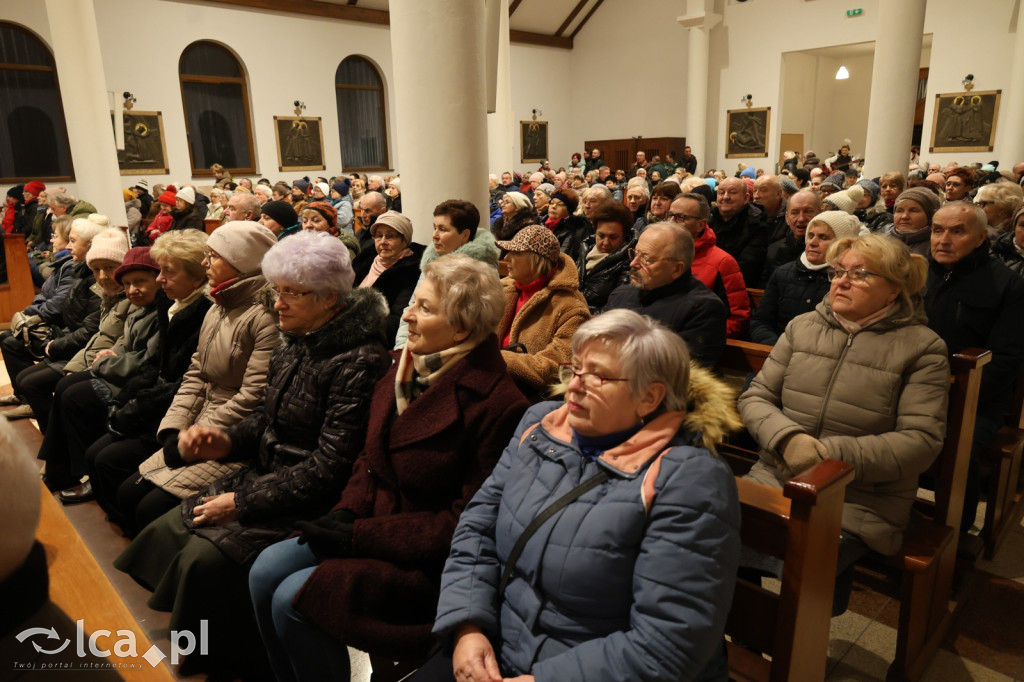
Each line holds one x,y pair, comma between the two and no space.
225,382
876,399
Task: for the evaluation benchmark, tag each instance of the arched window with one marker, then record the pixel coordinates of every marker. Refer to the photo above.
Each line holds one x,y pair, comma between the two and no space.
216,100
361,123
33,134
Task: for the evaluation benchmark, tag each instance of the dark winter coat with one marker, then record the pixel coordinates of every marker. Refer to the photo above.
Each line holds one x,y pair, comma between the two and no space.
49,302
745,237
81,315
918,242
685,306
416,474
146,397
571,231
610,272
504,230
189,219
397,284
1008,254
780,252
304,440
980,304
792,290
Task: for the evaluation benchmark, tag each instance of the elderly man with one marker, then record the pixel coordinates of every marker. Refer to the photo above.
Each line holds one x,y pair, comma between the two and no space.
802,207
740,227
662,286
1018,171
371,206
242,207
508,182
641,162
974,300
768,194
594,161
712,266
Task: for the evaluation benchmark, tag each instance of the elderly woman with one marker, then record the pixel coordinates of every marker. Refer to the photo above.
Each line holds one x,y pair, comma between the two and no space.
602,261
999,200
74,352
798,287
568,228
224,382
586,593
516,213
78,413
892,184
959,183
368,574
638,195
866,338
455,231
215,211
136,403
66,305
322,216
541,199
543,309
396,268
1009,248
302,445
912,218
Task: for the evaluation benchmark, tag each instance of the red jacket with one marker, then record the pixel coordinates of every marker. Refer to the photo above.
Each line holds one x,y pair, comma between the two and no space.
720,272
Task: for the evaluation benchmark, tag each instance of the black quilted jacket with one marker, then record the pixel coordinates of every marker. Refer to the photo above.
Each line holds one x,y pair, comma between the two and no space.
302,443
80,314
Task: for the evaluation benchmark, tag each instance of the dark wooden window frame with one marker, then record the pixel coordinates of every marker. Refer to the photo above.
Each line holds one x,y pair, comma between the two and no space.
52,69
383,113
217,80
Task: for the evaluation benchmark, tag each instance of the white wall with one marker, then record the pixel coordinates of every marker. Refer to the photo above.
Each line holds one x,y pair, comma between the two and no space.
541,79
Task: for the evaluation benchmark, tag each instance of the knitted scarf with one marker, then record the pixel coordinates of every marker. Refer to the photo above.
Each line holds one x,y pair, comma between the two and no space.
417,373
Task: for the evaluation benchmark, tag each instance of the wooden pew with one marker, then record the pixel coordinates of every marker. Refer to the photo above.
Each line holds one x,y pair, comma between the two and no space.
755,298
800,525
18,290
211,224
80,588
1004,457
921,573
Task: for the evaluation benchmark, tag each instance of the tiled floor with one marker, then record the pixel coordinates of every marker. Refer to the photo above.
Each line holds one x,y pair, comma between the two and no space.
862,642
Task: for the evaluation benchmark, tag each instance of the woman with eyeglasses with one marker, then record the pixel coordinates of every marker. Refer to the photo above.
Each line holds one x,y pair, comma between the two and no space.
224,382
396,268
999,200
634,573
863,380
368,574
797,287
297,450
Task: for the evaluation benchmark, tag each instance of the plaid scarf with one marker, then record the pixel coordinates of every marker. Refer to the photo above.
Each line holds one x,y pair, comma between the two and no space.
417,373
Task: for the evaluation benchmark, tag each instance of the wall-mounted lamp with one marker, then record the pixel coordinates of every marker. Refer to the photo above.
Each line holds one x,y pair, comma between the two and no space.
536,113
748,100
968,82
129,100
299,107
842,74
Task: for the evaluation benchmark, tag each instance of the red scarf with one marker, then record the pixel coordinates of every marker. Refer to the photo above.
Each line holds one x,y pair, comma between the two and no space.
525,294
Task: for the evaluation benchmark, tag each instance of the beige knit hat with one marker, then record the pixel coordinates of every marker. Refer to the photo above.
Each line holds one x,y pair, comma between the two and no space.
110,244
841,223
242,243
847,200
396,221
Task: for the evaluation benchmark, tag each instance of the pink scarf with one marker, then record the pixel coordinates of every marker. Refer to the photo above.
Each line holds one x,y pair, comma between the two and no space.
379,266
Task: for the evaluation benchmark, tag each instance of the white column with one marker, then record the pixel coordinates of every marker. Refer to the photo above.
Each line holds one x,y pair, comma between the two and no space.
438,54
698,22
76,50
894,86
1011,119
501,124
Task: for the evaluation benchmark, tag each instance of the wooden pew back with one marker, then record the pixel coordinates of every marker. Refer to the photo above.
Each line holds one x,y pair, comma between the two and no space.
18,290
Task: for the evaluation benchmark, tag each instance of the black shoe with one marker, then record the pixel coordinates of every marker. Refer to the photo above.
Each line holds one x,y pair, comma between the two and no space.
80,493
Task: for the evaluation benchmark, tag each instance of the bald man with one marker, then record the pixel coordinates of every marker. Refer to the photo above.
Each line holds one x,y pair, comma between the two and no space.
740,227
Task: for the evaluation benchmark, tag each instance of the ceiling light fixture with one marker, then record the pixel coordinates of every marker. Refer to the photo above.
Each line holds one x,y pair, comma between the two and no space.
842,74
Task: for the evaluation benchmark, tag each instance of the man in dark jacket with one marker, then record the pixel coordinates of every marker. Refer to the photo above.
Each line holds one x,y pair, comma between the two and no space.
689,161
594,161
973,300
662,286
800,210
740,228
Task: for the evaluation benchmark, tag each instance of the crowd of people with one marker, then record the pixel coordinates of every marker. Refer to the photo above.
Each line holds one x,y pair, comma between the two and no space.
321,433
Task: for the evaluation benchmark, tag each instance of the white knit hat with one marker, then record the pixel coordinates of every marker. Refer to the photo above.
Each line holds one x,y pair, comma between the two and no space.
841,223
242,243
110,244
324,187
847,200
188,195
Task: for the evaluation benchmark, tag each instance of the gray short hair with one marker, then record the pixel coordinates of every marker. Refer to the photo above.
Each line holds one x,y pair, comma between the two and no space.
61,198
682,248
471,294
601,191
249,203
649,353
1005,195
980,219
316,260
642,186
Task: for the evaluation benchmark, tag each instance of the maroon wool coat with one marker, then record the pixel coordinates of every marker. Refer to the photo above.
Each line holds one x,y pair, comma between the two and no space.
416,474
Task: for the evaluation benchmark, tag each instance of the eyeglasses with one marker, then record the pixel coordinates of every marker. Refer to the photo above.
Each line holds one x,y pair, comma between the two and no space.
289,296
389,236
590,379
210,255
645,260
680,217
858,275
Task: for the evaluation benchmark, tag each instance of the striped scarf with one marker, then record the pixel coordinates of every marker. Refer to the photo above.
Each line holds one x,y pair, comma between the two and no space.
417,373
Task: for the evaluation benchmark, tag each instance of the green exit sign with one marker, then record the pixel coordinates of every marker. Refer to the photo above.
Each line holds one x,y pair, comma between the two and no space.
854,12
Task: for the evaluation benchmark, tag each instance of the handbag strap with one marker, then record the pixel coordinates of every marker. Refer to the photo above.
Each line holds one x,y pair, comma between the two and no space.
553,509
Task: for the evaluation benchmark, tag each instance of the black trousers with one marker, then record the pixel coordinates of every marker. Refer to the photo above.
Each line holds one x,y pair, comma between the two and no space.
16,358
110,461
140,503
78,418
37,384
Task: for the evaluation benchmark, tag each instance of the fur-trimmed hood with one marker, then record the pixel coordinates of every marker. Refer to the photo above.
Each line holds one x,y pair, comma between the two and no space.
711,409
361,321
